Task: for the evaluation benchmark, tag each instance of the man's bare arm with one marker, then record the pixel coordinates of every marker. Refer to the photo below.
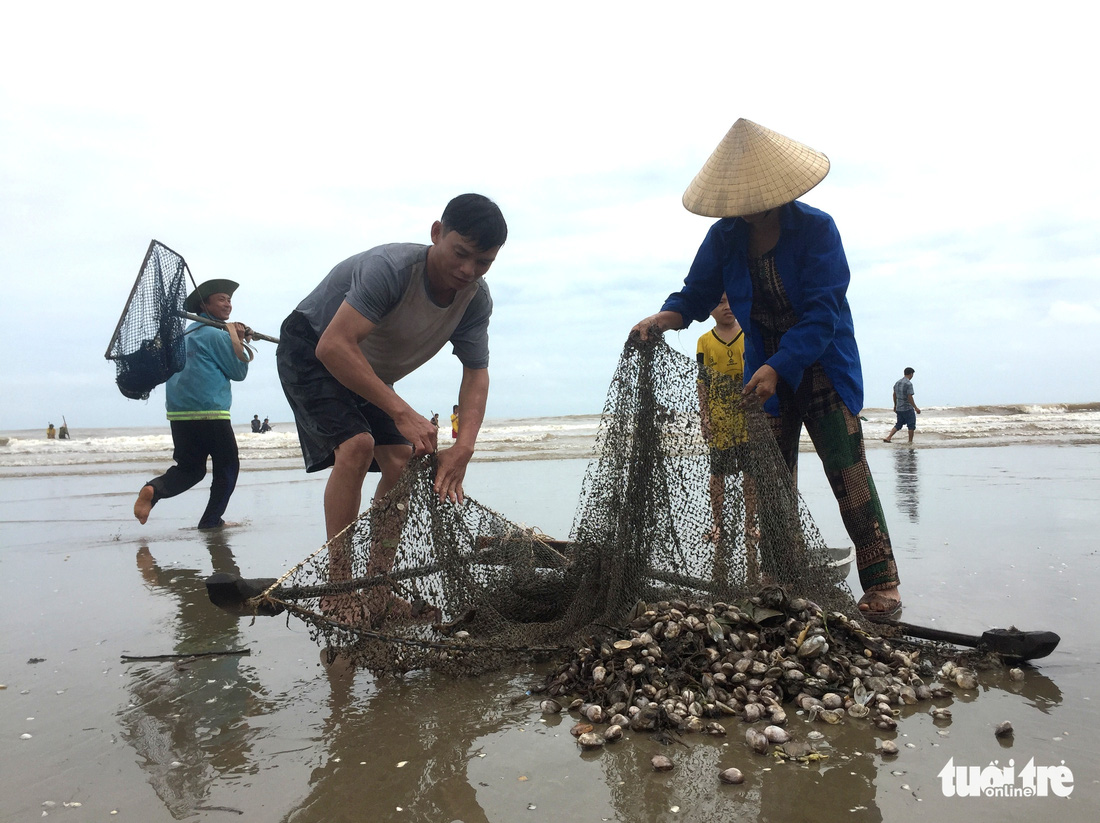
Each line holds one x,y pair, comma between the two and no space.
473,394
339,352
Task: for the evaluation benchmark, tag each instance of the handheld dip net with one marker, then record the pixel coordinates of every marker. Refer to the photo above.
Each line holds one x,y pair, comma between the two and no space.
415,583
148,344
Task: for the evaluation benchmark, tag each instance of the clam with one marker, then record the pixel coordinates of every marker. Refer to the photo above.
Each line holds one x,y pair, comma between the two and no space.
591,740
661,763
613,732
776,734
966,679
1003,729
732,776
756,740
888,747
550,706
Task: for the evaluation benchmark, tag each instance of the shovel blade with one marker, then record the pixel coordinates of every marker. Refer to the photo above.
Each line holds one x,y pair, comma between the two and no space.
1018,645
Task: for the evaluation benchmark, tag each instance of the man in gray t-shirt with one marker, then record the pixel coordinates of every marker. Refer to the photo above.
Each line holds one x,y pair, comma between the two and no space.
905,406
375,318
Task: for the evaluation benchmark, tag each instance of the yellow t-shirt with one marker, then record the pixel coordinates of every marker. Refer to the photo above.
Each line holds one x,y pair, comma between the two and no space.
727,420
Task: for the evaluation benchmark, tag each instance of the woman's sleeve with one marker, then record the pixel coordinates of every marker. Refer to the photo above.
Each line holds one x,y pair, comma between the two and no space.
703,285
823,277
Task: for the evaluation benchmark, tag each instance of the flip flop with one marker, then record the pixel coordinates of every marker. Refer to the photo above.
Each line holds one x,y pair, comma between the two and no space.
888,609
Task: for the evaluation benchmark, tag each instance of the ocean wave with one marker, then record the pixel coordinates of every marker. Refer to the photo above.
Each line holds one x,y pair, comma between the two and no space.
567,437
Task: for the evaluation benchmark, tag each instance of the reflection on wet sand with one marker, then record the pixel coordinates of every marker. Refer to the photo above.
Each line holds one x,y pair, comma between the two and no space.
428,722
905,469
187,720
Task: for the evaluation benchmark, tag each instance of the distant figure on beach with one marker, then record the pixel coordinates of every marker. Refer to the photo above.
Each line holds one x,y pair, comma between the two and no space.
905,406
265,427
722,350
51,432
63,432
454,423
256,424
435,420
375,318
782,266
198,401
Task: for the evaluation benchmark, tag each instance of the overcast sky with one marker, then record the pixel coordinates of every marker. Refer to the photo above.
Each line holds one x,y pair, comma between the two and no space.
266,142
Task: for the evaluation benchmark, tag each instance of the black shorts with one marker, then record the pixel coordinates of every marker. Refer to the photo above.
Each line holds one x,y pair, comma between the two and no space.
727,461
326,412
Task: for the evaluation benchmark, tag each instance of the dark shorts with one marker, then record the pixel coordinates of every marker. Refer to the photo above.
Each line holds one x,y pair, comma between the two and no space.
906,418
326,412
727,461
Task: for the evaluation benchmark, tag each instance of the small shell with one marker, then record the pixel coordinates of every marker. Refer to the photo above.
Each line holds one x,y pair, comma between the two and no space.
1016,674
732,776
858,710
591,740
888,747
599,674
662,763
813,645
756,740
1003,729
550,706
594,713
581,728
623,645
776,735
832,700
753,712
966,679
613,732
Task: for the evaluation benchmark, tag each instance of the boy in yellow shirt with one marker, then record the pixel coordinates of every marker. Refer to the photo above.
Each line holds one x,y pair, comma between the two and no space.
722,350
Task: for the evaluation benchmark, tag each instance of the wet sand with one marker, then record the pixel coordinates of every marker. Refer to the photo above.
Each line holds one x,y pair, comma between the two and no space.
984,537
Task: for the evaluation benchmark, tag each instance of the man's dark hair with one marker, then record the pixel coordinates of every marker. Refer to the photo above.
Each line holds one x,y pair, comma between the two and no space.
477,217
909,371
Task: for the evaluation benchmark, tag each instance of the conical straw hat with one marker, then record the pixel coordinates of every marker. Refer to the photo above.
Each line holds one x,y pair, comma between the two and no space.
752,170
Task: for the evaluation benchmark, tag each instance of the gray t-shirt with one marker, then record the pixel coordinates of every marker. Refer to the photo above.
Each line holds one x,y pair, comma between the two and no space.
388,285
903,390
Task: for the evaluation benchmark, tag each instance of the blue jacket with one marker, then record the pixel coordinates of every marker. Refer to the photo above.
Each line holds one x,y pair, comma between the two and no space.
811,263
201,391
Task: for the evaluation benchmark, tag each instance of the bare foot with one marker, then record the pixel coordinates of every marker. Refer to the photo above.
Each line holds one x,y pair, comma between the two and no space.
144,504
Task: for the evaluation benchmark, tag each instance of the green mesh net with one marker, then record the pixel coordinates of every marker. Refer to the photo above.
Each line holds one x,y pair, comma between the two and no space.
676,504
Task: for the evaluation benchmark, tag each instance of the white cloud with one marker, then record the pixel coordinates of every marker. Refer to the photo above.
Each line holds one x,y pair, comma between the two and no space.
268,142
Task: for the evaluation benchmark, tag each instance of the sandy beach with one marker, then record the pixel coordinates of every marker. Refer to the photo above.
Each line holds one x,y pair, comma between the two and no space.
984,537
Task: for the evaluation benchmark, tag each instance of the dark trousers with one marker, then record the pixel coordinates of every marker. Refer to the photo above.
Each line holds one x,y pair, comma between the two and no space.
838,439
194,441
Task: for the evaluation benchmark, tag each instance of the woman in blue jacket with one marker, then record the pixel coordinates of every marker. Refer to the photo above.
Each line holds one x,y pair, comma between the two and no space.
782,266
198,399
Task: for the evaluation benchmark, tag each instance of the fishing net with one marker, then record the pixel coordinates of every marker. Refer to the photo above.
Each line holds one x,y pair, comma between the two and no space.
148,345
415,583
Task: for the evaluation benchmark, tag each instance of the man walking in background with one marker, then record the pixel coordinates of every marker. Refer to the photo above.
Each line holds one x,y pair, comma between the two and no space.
905,406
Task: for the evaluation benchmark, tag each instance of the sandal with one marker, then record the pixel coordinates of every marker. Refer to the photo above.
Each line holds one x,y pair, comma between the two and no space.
878,606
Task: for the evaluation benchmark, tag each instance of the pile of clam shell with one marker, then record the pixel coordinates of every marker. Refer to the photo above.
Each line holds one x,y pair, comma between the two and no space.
691,667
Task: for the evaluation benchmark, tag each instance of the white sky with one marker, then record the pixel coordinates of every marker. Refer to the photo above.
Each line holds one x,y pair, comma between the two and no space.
266,142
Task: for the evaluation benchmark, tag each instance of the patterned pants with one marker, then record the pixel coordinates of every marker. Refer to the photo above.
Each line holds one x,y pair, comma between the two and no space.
838,439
